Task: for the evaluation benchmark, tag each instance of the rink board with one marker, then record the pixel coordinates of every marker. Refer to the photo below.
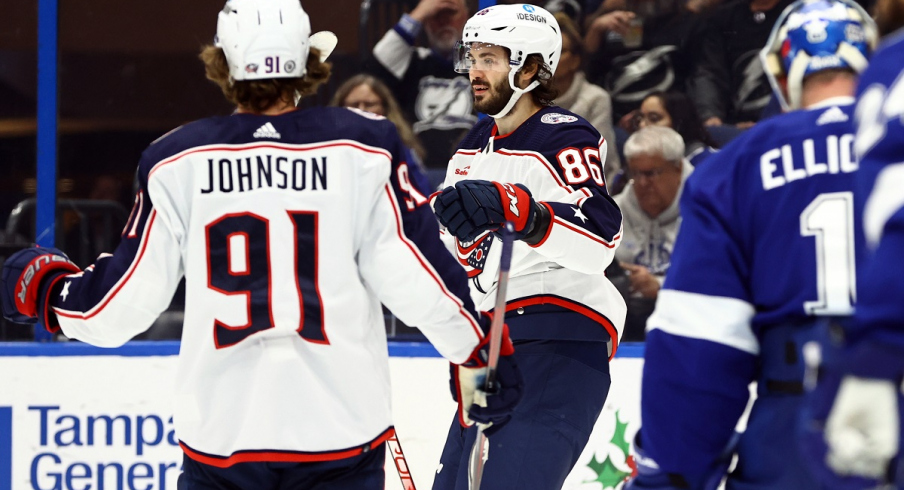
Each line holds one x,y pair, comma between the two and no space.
74,416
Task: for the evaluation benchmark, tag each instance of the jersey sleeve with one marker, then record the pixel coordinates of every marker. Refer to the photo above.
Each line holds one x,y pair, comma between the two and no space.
700,351
409,268
121,294
878,324
586,224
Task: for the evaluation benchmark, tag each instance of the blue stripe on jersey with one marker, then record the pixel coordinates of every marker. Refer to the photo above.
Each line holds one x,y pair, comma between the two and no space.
701,391
597,215
88,290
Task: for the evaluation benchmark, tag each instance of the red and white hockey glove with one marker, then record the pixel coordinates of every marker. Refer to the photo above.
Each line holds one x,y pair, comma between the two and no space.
468,380
28,277
475,206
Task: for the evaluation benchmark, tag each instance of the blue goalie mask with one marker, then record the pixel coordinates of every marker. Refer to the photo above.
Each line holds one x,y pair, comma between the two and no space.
815,35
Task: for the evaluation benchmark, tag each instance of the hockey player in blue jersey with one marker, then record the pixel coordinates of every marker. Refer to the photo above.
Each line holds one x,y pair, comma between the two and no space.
764,257
290,228
854,416
539,166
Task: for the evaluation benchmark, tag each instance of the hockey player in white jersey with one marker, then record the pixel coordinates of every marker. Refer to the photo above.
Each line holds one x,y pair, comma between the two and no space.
764,258
290,228
539,166
854,417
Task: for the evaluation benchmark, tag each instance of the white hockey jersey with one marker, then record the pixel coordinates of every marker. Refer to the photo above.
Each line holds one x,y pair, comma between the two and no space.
557,155
290,231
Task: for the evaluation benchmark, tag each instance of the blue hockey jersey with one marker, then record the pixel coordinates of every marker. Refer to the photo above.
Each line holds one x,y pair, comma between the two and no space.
290,231
880,197
766,239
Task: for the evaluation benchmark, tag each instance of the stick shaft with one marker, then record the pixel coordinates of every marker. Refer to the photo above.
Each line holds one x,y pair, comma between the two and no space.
401,464
479,452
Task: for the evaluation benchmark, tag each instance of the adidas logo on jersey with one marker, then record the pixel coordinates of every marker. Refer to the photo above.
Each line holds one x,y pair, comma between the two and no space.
832,115
266,131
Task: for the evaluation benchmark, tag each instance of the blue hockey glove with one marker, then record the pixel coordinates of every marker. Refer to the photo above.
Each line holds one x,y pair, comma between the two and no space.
850,417
492,410
28,276
475,206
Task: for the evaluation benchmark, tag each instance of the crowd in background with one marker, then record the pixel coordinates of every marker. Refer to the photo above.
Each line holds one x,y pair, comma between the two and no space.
626,66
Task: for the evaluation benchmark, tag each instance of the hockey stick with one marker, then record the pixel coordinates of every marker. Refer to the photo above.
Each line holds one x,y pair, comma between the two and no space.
480,451
401,464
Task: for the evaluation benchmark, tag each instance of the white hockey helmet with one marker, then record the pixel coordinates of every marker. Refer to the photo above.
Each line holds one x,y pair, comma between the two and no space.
815,35
523,29
265,39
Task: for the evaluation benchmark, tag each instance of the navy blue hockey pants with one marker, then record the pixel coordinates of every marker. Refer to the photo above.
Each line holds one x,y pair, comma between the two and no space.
565,387
362,472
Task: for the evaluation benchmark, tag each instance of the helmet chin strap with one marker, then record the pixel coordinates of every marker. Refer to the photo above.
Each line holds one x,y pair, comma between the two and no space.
515,96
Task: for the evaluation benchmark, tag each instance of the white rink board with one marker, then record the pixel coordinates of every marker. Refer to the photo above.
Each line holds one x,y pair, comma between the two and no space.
55,411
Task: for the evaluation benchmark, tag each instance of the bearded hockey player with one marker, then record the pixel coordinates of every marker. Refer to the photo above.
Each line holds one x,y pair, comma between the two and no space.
854,418
538,166
764,257
290,227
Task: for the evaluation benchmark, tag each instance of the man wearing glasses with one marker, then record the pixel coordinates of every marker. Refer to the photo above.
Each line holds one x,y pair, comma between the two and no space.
657,170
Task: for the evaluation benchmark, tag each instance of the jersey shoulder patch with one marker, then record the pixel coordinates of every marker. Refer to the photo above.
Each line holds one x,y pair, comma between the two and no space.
557,118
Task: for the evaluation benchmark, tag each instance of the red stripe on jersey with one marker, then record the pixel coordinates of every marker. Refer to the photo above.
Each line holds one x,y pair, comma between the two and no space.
427,268
573,306
467,152
542,160
276,456
587,234
122,281
254,146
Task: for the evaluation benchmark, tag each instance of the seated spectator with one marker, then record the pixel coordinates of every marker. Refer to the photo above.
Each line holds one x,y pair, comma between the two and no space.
423,80
366,93
728,83
654,157
581,97
675,110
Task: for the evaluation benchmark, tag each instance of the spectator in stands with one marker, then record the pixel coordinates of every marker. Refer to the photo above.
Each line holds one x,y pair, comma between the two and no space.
728,83
366,93
429,91
632,53
580,96
675,110
656,165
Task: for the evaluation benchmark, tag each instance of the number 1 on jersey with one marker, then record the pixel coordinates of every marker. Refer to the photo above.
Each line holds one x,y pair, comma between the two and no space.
830,219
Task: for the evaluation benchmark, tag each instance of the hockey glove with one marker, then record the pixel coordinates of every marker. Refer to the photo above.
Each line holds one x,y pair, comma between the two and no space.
475,206
851,421
28,276
492,410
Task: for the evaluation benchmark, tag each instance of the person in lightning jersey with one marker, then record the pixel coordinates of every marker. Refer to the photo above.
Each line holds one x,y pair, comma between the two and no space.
540,167
765,257
854,418
290,228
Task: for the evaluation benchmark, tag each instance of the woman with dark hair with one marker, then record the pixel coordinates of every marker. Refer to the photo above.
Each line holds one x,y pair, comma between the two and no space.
675,110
